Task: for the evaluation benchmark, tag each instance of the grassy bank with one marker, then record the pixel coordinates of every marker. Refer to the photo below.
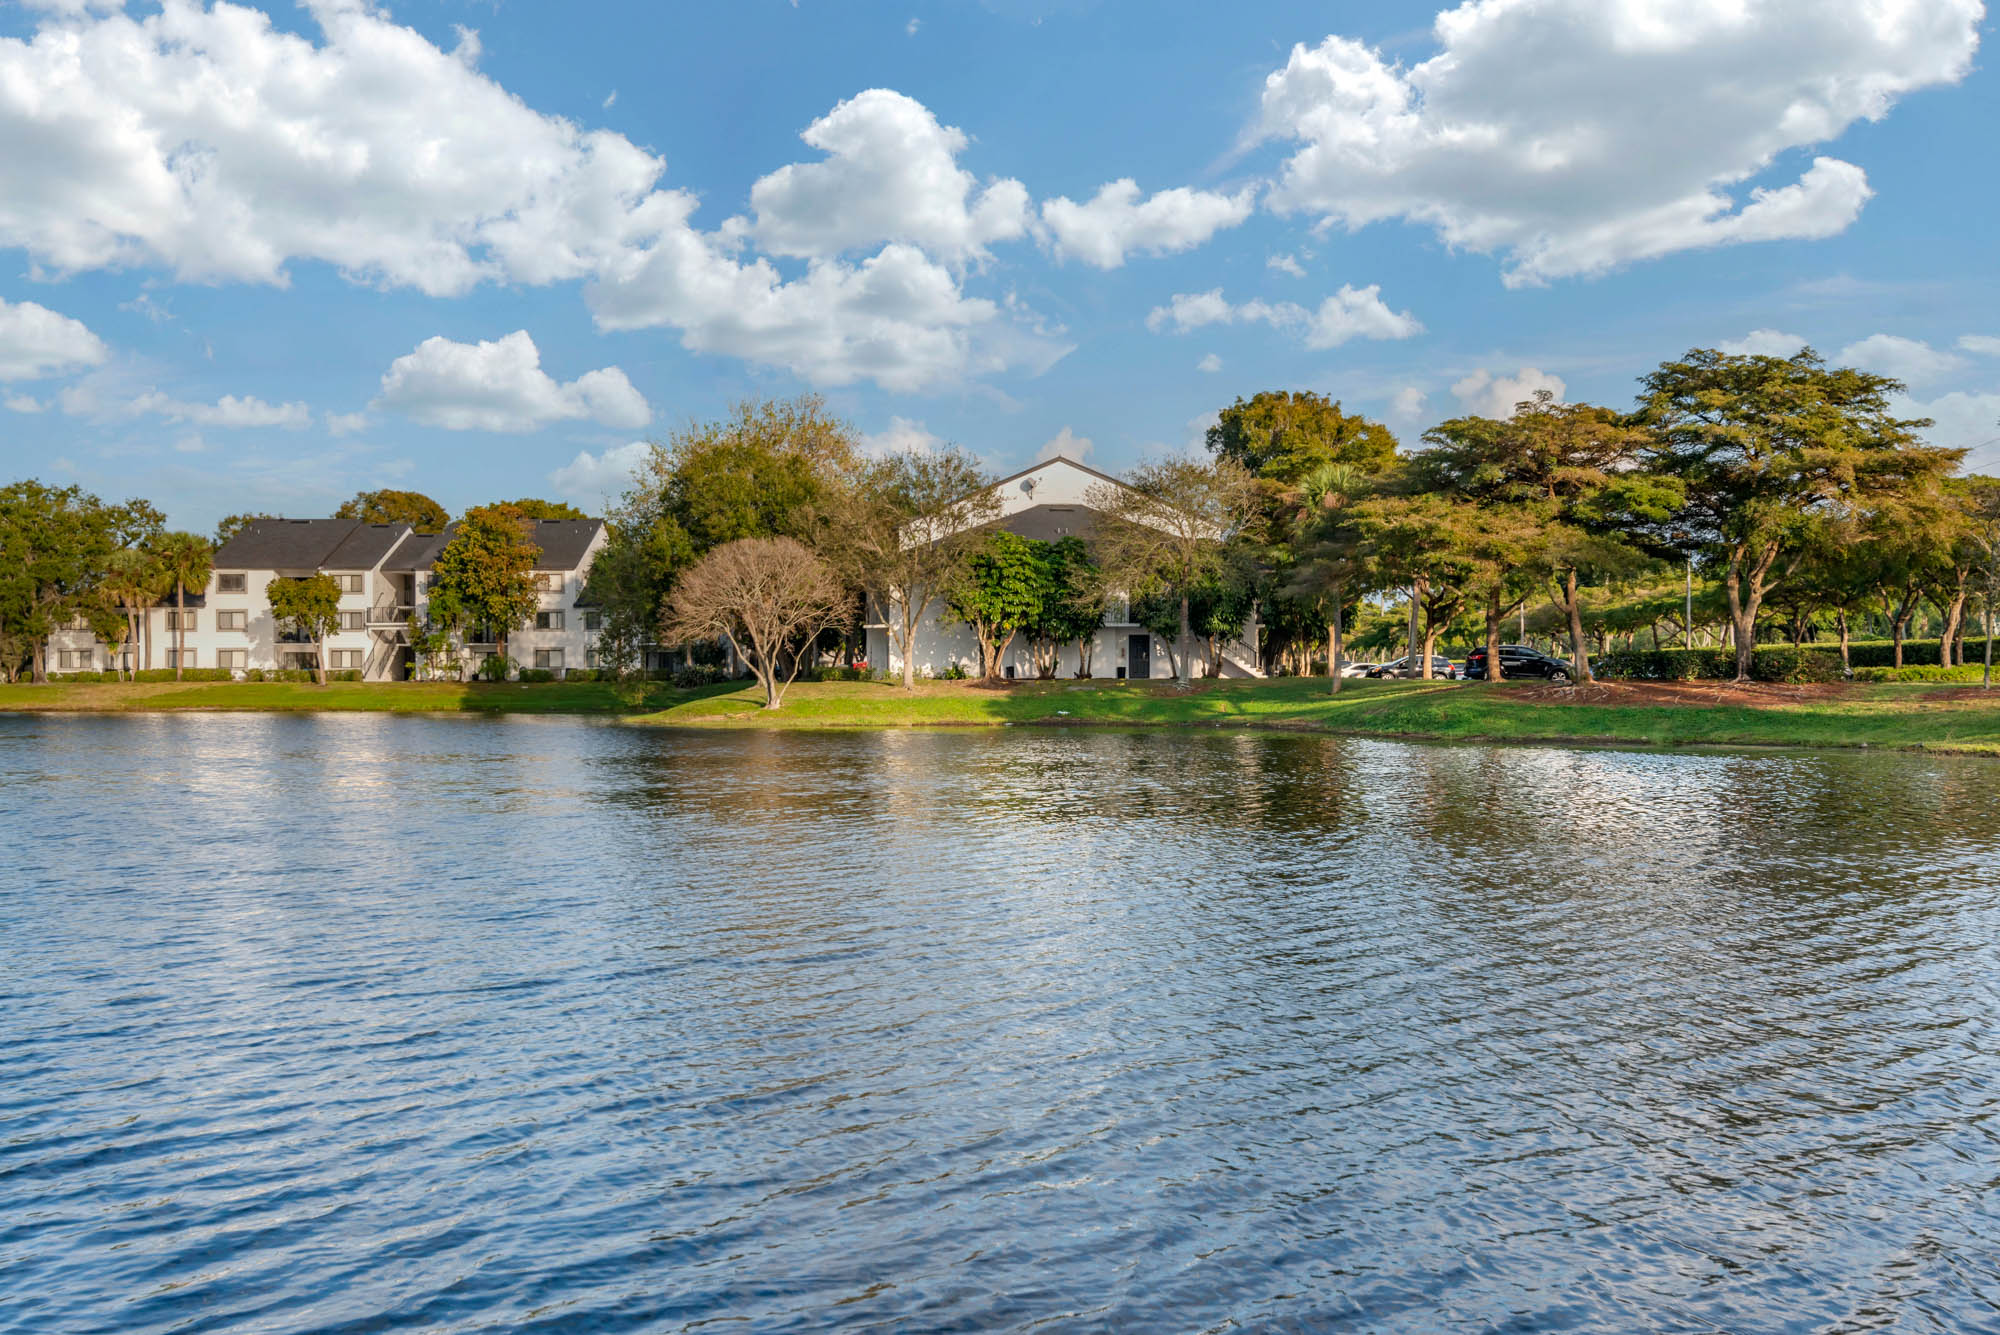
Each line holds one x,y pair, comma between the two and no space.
375,697
1896,715
1899,715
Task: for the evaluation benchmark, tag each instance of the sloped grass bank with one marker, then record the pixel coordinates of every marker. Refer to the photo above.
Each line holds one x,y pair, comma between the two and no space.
1892,715
609,698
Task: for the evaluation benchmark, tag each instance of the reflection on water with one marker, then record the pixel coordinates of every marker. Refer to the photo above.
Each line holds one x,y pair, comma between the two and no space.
370,1023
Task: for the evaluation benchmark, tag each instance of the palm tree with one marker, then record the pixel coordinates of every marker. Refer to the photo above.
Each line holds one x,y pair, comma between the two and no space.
185,559
133,584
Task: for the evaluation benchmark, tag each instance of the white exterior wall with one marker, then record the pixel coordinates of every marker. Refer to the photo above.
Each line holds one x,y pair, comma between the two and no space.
940,641
378,647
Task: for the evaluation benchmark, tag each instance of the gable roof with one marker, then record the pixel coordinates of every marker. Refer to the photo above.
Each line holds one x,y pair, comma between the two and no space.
306,544
564,543
1048,523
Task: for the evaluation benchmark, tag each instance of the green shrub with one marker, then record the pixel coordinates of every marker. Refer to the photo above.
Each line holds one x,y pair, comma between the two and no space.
187,674
345,674
1770,662
581,674
82,676
536,676
1921,672
687,678
493,668
838,673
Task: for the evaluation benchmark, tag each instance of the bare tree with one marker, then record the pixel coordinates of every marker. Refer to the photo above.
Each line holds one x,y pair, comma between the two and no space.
769,597
905,532
1166,527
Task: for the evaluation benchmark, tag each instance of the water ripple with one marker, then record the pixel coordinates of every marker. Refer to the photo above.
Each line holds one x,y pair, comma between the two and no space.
368,1024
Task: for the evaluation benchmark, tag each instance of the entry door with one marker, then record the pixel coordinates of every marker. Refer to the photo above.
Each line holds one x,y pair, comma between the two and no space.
1139,657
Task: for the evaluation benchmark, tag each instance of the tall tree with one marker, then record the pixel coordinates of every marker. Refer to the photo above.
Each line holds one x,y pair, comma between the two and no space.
1281,435
132,584
539,509
56,543
1330,560
769,469
310,604
1766,447
769,597
1070,606
388,506
905,533
231,525
485,576
998,593
184,560
1168,527
1983,506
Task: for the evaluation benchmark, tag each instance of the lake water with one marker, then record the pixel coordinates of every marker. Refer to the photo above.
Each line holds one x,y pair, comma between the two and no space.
365,1024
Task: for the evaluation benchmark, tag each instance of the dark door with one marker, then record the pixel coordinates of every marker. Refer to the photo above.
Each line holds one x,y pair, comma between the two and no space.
1139,657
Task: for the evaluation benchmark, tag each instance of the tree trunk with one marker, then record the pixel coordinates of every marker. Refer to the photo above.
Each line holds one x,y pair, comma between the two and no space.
1494,616
1846,665
1184,673
1896,626
180,628
319,659
1986,678
909,648
1410,666
38,663
1333,644
1579,654
1949,653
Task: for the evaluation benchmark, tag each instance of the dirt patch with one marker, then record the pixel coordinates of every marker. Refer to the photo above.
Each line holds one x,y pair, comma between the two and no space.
1700,694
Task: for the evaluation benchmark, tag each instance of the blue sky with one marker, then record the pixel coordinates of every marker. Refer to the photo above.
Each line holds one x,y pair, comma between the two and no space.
259,260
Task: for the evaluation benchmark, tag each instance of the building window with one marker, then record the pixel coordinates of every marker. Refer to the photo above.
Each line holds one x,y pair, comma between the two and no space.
73,660
232,583
548,621
178,620
549,658
593,621
177,659
342,660
348,583
235,659
590,658
354,621
229,620
548,583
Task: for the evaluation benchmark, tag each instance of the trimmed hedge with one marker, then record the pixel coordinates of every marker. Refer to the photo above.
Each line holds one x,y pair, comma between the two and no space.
536,676
1970,672
187,674
1769,662
838,674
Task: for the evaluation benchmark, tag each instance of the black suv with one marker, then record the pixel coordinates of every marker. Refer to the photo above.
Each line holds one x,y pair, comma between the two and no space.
1519,660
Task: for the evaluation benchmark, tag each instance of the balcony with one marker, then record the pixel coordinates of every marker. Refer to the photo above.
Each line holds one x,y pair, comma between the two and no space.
389,614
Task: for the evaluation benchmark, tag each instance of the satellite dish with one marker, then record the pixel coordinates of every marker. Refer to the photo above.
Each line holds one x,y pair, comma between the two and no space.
1028,485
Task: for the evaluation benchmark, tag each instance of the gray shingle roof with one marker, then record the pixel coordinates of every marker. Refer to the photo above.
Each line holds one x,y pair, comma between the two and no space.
1046,523
290,544
563,543
366,545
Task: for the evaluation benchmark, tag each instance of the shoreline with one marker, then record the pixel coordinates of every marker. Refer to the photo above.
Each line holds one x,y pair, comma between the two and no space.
1917,717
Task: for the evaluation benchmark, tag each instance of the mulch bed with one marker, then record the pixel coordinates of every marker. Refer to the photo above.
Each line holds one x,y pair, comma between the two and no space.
1700,694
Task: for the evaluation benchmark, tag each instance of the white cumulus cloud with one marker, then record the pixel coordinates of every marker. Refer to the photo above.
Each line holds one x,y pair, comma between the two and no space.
1575,136
1763,343
901,436
1286,264
1065,444
1483,394
1408,403
1986,345
204,140
500,386
591,479
103,399
36,342
1348,314
1209,364
890,173
1963,421
1116,222
1909,360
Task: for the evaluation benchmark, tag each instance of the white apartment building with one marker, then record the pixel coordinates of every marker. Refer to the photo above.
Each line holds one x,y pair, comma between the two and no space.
384,572
1045,503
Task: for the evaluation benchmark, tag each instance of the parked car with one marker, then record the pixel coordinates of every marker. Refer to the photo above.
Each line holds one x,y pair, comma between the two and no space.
1351,669
1521,660
1441,667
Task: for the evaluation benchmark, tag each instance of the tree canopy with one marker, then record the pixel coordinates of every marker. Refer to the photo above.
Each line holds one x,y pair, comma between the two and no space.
387,506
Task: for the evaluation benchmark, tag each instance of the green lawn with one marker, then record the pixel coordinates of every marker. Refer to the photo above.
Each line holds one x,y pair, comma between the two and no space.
382,697
1899,715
